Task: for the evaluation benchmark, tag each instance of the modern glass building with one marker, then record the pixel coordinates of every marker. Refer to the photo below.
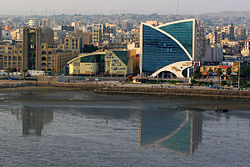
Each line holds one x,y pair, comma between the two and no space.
168,47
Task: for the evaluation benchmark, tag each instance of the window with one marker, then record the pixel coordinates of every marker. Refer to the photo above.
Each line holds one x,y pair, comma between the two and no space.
43,52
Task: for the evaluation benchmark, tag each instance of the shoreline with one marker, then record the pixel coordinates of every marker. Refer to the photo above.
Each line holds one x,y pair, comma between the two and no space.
121,89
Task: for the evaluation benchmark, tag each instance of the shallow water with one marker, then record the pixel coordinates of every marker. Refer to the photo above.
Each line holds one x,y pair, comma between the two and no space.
52,128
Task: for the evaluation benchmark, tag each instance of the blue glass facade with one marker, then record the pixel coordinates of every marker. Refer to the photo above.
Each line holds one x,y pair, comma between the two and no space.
159,50
183,32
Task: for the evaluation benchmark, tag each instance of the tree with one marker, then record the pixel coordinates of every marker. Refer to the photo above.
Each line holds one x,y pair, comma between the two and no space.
245,71
10,70
210,72
229,71
197,75
130,78
219,72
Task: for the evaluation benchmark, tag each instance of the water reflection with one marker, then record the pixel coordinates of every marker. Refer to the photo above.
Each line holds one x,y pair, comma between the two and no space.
178,131
33,118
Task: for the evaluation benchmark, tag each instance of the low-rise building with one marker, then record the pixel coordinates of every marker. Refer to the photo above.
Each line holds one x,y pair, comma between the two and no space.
212,70
113,62
54,60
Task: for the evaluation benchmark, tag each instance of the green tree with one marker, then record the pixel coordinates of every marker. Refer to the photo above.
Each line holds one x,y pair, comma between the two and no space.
210,72
219,72
229,71
245,71
10,70
196,75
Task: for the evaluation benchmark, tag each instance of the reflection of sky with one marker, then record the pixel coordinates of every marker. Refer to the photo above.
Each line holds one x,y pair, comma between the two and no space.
173,130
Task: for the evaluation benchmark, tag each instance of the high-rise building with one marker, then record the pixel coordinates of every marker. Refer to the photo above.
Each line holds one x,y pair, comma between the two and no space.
31,47
231,32
45,22
126,25
32,40
96,36
33,23
72,42
169,49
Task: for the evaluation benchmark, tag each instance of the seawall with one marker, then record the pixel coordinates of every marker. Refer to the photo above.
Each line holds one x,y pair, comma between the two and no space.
127,89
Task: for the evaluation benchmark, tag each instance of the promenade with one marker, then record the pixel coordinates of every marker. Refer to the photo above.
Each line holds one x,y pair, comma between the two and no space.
121,88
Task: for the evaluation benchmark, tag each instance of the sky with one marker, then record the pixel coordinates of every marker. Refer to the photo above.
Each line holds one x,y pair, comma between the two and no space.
48,7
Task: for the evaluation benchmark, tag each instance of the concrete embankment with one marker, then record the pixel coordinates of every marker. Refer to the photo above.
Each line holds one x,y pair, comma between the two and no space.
121,89
177,92
5,85
105,88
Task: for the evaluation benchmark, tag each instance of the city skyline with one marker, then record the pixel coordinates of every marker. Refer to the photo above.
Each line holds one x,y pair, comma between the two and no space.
50,7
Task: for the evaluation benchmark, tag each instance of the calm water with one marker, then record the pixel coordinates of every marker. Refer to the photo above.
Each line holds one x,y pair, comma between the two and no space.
51,128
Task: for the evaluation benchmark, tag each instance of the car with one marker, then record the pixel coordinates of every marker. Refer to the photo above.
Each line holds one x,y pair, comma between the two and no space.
97,79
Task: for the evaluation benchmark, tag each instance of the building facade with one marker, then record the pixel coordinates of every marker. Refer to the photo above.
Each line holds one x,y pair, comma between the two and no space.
72,42
170,47
105,63
12,55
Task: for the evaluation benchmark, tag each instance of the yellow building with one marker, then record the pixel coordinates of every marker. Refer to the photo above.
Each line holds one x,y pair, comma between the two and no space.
72,42
233,65
116,62
107,63
12,55
54,60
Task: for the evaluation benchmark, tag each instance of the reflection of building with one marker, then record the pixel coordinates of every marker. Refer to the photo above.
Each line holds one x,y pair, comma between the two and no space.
33,118
167,47
175,131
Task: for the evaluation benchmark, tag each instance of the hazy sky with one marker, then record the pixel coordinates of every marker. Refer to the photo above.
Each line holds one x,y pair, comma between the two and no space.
46,7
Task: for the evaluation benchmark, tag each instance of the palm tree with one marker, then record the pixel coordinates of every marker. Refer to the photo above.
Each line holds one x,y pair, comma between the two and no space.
24,71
